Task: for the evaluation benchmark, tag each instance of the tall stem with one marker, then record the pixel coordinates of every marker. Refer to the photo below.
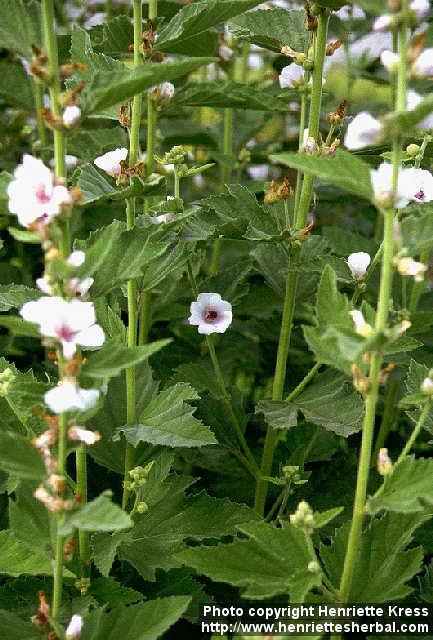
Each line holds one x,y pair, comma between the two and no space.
134,145
292,278
381,321
50,40
108,9
83,536
39,105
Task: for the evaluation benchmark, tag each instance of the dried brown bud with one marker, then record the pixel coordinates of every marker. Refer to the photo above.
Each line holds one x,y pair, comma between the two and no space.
76,194
39,54
416,47
285,190
394,5
52,121
124,118
312,21
305,232
332,47
271,196
336,117
67,70
360,382
329,151
383,376
70,98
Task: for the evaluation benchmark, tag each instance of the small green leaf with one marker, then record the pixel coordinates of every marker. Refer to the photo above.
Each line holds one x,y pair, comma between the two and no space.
13,296
278,415
231,94
97,188
271,29
19,457
98,515
344,170
168,420
26,16
114,357
407,489
18,559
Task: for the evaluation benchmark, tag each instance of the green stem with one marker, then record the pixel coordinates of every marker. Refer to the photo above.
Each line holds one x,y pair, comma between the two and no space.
301,386
50,40
388,418
134,145
227,145
292,278
108,9
415,433
39,105
145,317
355,533
83,536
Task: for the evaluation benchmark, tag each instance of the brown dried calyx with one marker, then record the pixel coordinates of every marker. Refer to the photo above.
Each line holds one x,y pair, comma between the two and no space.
332,47
336,117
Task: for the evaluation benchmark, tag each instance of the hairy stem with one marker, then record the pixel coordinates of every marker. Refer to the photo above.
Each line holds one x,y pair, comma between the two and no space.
292,278
134,145
376,360
39,105
83,536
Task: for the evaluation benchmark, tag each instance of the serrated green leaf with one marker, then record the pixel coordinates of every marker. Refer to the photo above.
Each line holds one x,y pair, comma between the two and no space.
13,296
231,94
417,372
22,235
115,255
271,562
417,230
13,627
106,89
407,489
343,170
15,86
331,402
144,621
271,29
384,563
321,519
278,414
19,457
97,188
114,357
26,16
18,559
168,420
87,144
98,515
109,591
403,121
178,35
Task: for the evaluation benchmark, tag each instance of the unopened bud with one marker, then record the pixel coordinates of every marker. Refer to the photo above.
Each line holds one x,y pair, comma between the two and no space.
427,387
313,566
384,464
412,150
310,147
332,47
142,507
271,196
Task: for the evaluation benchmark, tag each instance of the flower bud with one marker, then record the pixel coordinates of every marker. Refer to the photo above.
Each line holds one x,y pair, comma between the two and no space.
358,264
313,566
427,386
412,150
384,464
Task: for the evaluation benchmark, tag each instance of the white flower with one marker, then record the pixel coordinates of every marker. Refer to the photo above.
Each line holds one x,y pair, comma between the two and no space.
33,194
381,180
211,313
410,267
71,115
427,386
76,259
382,23
68,396
290,76
350,13
74,627
362,327
225,52
255,61
417,184
161,219
80,287
413,99
420,7
71,161
423,65
166,90
259,172
83,435
358,264
70,323
110,161
95,20
44,285
390,60
363,131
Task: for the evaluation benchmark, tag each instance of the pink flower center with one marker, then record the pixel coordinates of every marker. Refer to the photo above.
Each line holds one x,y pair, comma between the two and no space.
42,195
65,333
210,316
420,195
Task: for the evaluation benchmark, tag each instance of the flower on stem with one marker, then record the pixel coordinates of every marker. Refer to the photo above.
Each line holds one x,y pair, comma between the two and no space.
291,76
74,627
351,13
423,65
427,386
364,130
420,8
83,435
33,194
410,267
390,60
68,396
80,287
111,161
210,313
70,323
383,23
225,52
71,115
381,180
76,259
413,99
417,184
358,264
362,328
